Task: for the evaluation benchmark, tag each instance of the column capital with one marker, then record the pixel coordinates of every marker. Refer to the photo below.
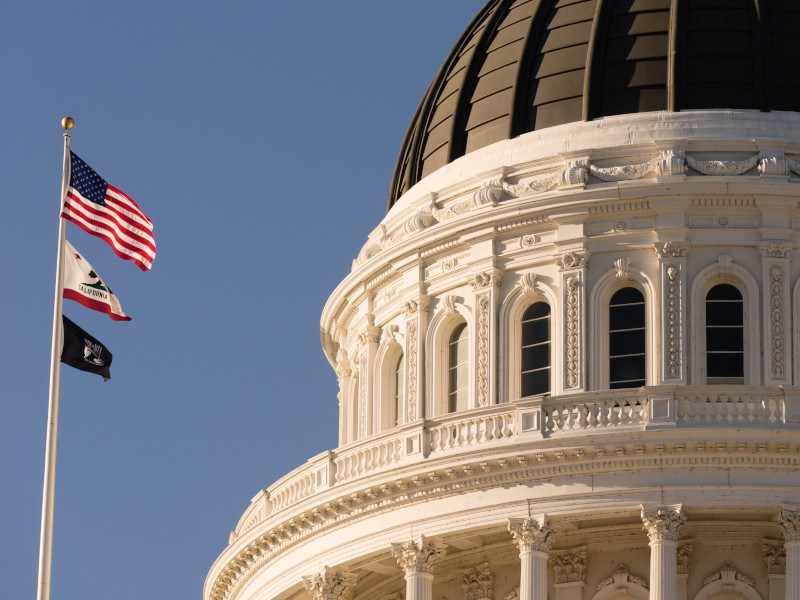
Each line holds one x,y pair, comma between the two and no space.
662,523
532,535
789,522
419,556
330,585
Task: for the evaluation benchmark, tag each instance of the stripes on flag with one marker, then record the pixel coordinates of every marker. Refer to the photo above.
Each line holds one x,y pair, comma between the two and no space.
104,211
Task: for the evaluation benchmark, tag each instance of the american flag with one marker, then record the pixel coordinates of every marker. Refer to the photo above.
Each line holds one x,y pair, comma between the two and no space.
102,210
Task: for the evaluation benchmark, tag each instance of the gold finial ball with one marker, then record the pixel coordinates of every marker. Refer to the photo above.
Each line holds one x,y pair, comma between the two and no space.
67,123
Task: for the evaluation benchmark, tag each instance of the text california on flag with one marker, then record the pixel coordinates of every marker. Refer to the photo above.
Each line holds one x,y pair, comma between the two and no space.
83,285
102,210
83,351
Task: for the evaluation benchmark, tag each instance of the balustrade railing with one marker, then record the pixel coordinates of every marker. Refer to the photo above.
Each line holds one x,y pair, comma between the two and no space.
531,419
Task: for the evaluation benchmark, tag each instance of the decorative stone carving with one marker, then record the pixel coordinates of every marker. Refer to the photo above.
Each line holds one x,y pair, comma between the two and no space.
528,282
724,262
722,167
449,304
774,249
481,280
774,559
478,584
621,577
671,162
662,524
422,219
672,300
728,574
624,173
776,318
411,393
671,249
573,260
773,162
491,192
411,307
330,585
573,332
793,165
622,265
527,241
789,522
419,556
576,172
483,350
684,558
537,185
569,567
513,595
362,397
532,535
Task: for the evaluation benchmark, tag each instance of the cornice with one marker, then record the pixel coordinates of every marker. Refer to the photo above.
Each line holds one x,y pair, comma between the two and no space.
336,508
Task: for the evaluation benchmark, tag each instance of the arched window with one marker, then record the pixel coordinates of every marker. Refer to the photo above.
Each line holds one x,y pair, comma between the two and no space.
535,365
724,335
626,339
399,389
458,370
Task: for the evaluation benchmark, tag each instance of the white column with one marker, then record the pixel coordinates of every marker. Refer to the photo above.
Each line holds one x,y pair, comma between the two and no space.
418,559
330,585
532,537
663,525
789,521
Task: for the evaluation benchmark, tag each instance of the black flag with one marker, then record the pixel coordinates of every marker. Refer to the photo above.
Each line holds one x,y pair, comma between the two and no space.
84,352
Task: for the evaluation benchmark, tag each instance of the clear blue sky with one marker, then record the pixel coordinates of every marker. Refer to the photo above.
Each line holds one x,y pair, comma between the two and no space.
260,137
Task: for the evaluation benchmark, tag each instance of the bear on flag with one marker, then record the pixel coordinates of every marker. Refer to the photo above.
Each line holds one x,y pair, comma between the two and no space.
83,285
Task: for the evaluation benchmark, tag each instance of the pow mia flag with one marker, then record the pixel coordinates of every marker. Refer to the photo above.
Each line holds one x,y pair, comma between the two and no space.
84,352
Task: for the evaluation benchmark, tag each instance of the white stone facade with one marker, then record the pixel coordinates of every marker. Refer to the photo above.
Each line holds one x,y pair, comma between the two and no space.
685,488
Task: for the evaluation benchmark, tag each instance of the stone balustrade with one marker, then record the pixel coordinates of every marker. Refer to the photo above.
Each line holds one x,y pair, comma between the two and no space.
526,422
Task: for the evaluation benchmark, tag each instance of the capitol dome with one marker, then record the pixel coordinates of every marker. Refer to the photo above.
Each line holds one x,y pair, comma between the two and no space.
569,355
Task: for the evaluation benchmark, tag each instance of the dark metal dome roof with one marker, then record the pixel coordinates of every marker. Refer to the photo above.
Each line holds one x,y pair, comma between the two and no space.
523,65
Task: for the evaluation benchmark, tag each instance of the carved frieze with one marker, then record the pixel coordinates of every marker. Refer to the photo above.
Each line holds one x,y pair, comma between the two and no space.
482,280
411,393
483,350
684,558
774,559
662,524
789,522
728,574
419,556
671,162
569,567
773,162
624,172
620,579
576,172
673,326
537,185
774,249
722,167
573,260
776,321
671,249
330,585
573,331
532,535
478,584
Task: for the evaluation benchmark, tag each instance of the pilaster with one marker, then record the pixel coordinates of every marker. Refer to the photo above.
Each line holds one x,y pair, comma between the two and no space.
573,266
416,328
777,312
418,558
486,286
684,560
775,565
478,584
330,585
789,522
570,574
663,525
672,258
532,537
370,340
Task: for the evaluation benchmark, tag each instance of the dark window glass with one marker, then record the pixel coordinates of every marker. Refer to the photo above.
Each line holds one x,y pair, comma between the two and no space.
535,362
458,372
724,335
627,357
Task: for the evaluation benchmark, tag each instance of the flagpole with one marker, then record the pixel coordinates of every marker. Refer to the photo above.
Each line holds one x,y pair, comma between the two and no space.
49,487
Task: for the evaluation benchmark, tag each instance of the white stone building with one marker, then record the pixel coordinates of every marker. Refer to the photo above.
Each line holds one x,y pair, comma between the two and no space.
567,357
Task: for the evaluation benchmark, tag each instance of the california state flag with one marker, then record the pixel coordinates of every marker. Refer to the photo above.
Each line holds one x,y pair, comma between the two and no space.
83,285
